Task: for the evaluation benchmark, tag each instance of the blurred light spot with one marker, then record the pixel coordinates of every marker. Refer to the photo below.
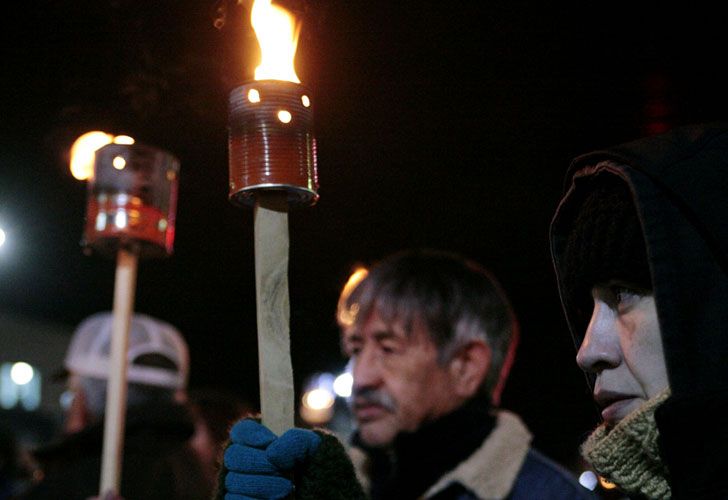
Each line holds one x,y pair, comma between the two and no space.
66,399
162,224
284,116
305,101
83,150
343,384
100,221
134,217
346,315
120,219
606,484
253,95
123,139
118,162
21,373
318,399
317,403
588,480
2,237
20,385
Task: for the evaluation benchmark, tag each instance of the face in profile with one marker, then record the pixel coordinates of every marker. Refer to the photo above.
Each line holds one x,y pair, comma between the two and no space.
623,349
398,382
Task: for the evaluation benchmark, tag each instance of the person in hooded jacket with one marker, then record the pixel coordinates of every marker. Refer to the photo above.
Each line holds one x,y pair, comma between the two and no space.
640,249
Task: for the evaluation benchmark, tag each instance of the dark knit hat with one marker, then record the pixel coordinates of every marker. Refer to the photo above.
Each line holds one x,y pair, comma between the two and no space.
605,243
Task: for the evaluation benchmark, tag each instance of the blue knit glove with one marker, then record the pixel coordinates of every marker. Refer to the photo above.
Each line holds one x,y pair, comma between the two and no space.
258,462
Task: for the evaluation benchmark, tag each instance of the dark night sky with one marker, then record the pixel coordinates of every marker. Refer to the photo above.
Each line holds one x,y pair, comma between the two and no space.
447,125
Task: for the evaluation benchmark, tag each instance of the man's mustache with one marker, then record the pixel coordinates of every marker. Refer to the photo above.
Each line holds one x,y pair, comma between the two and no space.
367,396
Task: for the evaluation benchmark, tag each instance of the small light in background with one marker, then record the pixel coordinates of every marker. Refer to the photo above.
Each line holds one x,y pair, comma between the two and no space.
2,237
588,480
343,384
66,399
305,101
20,385
606,484
21,373
318,399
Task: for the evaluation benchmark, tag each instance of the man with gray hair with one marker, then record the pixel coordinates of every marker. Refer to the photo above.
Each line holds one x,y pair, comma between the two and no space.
158,461
431,337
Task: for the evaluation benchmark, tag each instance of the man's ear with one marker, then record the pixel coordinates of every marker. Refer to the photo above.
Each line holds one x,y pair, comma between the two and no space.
469,368
77,415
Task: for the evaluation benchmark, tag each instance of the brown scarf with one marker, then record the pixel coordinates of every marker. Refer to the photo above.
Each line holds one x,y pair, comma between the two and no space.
627,454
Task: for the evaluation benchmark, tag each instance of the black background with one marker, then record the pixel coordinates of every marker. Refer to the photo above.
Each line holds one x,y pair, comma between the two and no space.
446,125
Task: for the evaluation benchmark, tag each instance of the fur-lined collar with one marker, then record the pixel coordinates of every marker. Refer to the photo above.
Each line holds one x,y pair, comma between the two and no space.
489,472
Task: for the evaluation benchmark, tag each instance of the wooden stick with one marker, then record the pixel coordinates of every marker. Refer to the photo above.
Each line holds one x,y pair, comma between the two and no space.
273,310
125,283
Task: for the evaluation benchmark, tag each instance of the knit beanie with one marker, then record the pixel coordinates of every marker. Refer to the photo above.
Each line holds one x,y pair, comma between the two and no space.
605,243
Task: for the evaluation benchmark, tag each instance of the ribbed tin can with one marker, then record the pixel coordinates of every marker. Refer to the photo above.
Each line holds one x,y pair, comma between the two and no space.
271,142
132,200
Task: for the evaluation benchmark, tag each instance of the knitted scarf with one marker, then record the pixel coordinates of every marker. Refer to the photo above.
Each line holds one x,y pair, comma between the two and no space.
627,454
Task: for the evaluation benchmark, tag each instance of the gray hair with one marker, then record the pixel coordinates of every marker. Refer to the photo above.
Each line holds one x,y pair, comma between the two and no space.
456,300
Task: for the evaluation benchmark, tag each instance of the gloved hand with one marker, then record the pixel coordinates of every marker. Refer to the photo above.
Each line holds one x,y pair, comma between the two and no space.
259,464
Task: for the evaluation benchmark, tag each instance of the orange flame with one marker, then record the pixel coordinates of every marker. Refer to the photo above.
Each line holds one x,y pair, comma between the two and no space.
277,33
84,148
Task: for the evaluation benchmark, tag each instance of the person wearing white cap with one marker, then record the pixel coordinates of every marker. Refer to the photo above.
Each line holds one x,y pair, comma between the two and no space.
158,461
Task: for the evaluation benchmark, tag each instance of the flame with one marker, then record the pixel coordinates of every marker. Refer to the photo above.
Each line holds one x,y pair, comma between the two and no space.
277,33
84,148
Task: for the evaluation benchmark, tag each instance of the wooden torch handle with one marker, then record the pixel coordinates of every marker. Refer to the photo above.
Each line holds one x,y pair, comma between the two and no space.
273,310
124,286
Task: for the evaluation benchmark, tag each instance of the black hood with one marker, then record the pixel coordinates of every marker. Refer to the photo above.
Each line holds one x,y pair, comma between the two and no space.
679,184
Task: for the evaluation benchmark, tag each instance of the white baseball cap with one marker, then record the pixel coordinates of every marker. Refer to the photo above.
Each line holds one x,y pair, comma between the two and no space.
89,351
